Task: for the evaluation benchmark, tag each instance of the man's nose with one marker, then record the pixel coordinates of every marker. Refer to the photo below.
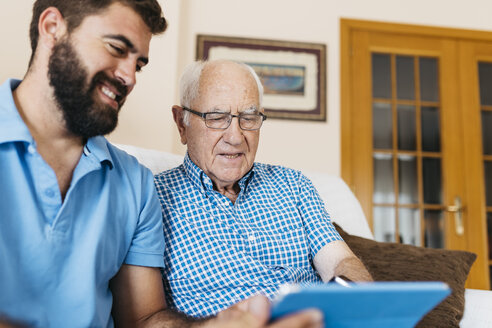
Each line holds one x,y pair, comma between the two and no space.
234,134
126,72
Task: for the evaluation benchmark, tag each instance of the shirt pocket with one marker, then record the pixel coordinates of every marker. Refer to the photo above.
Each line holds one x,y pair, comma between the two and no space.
287,248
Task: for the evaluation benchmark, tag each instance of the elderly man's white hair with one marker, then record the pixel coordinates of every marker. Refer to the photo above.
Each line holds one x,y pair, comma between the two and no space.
189,84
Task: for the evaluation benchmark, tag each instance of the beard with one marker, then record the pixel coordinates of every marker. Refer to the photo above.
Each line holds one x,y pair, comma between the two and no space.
77,97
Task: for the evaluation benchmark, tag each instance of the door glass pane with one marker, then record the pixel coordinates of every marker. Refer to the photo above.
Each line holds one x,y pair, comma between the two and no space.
434,229
409,226
487,166
384,223
485,82
381,76
407,179
382,126
383,179
431,175
405,83
487,132
431,140
429,85
406,127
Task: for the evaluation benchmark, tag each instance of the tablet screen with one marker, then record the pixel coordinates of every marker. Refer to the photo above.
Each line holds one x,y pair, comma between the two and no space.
374,304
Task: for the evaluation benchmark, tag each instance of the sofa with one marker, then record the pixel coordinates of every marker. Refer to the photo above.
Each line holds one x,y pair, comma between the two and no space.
346,212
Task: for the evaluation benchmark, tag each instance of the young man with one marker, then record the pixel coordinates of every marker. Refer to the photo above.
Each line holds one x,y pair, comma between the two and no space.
80,231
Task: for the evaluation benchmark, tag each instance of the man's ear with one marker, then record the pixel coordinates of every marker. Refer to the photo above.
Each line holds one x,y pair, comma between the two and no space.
51,27
178,118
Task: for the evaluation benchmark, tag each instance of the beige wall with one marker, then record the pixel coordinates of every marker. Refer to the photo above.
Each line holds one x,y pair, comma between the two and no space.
146,119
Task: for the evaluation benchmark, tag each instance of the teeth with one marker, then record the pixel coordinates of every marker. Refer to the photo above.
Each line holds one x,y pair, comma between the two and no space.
108,92
232,156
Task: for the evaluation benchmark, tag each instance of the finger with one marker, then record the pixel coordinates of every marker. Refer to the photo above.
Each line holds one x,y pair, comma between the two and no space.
252,312
305,319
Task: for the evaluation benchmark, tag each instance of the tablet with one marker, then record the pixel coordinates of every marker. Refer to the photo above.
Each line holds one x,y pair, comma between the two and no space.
374,304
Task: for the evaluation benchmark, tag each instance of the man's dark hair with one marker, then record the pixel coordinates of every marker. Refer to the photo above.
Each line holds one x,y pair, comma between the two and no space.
74,12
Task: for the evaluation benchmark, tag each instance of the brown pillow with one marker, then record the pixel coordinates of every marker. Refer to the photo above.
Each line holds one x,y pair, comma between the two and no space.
400,262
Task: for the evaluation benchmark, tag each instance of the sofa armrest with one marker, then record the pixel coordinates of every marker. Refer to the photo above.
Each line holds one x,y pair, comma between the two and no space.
478,309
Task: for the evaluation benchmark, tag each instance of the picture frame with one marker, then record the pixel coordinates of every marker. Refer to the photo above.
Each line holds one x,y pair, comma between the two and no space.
293,74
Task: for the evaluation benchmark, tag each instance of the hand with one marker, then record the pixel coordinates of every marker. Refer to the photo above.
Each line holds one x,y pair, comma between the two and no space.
6,323
255,313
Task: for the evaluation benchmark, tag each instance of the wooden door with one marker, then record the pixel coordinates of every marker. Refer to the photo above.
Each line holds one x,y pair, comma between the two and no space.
404,140
476,115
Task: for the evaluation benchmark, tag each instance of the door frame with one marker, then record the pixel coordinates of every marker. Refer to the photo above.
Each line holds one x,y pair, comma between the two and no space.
479,275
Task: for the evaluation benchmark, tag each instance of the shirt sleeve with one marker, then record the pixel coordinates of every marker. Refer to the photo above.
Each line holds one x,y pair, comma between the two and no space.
317,223
147,246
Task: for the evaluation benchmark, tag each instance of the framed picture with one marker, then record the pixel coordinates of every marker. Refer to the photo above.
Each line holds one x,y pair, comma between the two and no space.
293,74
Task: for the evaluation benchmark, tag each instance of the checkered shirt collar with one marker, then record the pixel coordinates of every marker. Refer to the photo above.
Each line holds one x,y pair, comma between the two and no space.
204,184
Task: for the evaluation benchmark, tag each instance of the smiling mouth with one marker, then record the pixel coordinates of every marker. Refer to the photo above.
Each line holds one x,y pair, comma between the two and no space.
112,95
108,92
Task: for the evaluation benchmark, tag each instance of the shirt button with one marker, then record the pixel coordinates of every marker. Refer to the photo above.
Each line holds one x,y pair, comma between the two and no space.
251,238
49,192
31,149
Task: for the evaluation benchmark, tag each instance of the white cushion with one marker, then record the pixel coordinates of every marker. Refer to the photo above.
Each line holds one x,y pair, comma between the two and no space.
478,309
156,161
341,204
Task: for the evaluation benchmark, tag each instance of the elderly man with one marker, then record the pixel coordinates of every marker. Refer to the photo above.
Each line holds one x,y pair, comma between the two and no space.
81,243
234,228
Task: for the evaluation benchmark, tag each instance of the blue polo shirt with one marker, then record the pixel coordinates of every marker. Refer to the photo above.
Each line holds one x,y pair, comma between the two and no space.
56,258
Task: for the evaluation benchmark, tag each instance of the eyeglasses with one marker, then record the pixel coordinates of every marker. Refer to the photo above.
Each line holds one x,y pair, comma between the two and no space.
221,121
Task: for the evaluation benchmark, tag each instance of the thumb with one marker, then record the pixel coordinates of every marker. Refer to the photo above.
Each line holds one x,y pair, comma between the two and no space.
259,307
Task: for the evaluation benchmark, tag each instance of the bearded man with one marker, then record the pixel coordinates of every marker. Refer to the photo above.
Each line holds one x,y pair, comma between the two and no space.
81,240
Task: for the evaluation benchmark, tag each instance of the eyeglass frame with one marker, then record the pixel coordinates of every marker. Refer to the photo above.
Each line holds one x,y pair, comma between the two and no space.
204,117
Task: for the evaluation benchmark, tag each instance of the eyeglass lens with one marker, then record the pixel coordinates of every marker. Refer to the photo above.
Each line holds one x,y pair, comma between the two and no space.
223,120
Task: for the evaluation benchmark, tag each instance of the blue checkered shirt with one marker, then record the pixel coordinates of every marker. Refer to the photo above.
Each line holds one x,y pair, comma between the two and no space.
219,252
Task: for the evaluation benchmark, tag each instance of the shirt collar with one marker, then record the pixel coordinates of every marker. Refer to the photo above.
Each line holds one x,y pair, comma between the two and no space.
12,127
203,183
248,177
196,175
98,147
